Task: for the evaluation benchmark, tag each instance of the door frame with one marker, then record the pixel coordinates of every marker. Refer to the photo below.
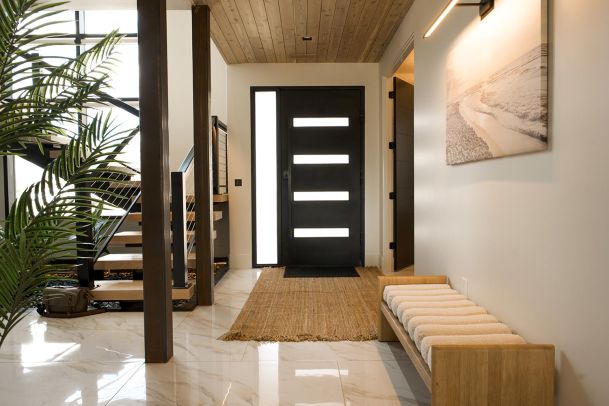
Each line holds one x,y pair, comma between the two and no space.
279,178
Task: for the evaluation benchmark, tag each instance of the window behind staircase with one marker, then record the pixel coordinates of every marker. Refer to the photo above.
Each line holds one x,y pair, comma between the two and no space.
81,30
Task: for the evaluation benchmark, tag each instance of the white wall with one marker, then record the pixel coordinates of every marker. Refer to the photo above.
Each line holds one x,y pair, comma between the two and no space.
179,70
531,232
240,79
219,85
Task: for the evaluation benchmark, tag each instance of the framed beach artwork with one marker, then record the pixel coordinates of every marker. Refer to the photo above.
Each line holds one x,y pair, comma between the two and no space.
497,79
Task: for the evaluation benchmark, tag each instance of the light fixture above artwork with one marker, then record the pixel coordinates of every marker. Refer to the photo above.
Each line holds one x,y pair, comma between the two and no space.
485,6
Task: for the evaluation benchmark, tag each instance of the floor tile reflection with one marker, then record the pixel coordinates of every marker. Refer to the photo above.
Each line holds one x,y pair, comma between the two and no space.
99,360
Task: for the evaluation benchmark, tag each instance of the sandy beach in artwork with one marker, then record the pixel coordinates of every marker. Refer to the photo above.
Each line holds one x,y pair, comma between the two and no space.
504,115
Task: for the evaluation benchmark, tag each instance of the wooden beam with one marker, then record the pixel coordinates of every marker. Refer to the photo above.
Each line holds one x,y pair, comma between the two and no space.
152,46
201,63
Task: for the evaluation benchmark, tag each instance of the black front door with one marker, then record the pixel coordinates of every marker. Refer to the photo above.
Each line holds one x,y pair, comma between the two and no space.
322,176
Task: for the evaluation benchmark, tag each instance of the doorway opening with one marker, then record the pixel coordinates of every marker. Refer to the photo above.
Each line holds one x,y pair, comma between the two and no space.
308,176
403,164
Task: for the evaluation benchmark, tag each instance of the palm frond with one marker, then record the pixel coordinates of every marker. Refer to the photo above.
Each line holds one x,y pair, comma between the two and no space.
34,94
39,233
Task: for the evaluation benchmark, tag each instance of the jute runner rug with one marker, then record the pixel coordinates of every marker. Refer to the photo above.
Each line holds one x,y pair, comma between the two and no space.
308,309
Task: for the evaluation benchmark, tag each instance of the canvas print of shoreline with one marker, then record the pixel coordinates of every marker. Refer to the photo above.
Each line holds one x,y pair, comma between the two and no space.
500,108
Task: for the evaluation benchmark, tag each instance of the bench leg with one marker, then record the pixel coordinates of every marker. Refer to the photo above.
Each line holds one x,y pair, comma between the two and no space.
385,332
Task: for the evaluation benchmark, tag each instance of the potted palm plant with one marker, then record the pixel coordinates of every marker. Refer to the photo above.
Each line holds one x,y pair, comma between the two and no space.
39,101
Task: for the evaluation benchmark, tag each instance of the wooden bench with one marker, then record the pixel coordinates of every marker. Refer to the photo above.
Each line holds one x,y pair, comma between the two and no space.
473,375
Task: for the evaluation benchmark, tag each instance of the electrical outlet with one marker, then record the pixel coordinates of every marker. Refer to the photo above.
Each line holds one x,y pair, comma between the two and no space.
464,287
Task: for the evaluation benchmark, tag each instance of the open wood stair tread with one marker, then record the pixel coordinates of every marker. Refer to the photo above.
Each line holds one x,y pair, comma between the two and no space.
137,216
132,237
120,262
118,290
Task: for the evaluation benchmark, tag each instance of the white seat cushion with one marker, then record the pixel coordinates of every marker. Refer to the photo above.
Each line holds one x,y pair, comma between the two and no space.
408,314
404,306
394,288
424,320
393,300
400,302
430,330
429,342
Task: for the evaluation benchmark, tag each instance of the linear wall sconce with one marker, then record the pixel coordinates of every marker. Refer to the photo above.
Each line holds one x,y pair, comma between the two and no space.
485,6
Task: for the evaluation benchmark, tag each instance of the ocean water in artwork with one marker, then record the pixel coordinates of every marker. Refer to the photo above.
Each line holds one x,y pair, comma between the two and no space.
499,107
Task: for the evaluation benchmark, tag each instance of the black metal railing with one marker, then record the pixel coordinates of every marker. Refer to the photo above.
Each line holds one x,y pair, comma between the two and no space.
182,219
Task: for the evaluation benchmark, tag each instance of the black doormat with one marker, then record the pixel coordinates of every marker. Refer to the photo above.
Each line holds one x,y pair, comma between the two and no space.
330,272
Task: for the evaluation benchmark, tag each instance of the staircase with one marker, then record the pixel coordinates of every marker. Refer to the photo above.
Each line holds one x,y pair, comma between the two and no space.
124,255
114,272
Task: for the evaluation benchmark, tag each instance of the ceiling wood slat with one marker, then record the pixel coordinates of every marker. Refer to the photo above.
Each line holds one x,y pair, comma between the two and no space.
383,11
286,9
262,22
367,22
313,17
247,17
230,8
300,28
325,29
227,29
265,31
223,46
353,16
274,18
338,25
392,22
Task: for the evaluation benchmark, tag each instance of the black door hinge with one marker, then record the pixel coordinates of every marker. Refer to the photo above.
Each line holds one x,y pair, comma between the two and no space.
392,196
392,246
392,145
392,95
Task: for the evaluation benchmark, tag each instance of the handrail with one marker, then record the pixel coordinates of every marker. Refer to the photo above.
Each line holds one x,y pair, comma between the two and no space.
190,157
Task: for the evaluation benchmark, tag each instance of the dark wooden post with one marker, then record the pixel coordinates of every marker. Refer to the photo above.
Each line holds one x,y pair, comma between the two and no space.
178,231
201,64
152,44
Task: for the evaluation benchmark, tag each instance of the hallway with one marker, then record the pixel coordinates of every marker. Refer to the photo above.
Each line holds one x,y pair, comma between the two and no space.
100,360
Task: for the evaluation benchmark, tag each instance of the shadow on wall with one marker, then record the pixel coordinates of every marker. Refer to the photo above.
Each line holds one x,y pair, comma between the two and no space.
570,390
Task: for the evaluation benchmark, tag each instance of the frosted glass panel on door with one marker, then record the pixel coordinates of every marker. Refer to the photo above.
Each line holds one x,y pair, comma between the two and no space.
320,196
266,177
321,122
321,232
321,159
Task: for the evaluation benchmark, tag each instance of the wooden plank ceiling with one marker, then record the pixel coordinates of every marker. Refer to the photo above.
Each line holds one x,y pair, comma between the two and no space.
268,31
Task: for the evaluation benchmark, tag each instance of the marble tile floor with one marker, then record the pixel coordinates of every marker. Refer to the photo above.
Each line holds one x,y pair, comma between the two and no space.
99,360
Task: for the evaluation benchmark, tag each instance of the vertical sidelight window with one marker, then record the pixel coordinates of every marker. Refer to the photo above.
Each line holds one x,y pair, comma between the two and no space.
265,115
